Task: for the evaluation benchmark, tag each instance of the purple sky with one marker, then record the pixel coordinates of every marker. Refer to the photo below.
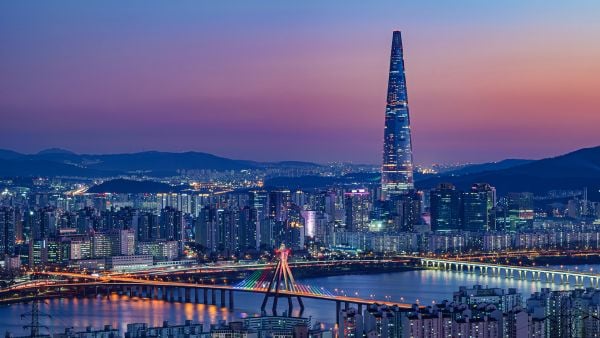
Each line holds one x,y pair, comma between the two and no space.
279,80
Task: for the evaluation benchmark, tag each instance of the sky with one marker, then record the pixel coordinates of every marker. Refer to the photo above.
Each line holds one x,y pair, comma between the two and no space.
299,80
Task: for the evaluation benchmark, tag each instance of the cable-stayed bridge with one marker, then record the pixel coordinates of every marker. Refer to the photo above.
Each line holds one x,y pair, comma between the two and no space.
259,280
273,283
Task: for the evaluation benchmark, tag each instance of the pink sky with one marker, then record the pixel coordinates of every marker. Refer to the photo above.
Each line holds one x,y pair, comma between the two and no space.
269,81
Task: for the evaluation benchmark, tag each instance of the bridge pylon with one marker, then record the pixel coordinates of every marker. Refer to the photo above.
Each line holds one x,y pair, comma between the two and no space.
282,280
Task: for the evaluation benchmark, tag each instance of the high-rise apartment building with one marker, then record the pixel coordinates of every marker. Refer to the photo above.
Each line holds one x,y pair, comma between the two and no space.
259,201
357,204
351,324
171,224
7,231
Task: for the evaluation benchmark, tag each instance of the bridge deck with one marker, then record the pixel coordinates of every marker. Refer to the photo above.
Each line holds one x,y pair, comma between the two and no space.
88,280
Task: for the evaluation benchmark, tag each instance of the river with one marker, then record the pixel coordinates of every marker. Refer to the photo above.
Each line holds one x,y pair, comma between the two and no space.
423,286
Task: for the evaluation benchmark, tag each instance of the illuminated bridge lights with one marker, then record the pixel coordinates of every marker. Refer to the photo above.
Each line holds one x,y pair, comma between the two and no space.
259,281
273,281
579,278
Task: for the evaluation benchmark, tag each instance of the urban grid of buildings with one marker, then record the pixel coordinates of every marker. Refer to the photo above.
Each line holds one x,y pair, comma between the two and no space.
54,222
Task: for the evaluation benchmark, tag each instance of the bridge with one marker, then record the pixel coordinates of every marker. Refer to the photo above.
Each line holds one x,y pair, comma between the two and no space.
173,271
273,284
532,273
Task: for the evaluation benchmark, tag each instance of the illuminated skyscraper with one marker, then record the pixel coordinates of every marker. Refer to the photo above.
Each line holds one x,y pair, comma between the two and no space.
397,169
7,231
357,204
444,205
477,208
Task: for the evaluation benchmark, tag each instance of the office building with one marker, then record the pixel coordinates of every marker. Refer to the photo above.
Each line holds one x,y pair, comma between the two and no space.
444,207
477,209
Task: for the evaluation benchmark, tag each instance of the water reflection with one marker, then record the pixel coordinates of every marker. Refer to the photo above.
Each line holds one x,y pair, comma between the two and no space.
426,286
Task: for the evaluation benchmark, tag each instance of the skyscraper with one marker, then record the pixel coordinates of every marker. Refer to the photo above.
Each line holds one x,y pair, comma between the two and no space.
444,205
357,204
7,231
477,209
397,169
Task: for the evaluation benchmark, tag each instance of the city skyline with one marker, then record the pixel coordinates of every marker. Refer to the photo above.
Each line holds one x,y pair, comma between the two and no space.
170,79
221,169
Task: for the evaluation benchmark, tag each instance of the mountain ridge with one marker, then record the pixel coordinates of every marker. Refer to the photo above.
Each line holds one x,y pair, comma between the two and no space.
573,170
60,162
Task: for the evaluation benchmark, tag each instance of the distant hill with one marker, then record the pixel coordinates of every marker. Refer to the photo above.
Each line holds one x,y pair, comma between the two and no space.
9,154
55,151
574,170
22,167
60,162
164,161
132,187
490,166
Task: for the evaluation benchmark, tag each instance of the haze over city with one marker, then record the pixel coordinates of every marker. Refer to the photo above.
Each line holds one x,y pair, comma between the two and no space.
272,81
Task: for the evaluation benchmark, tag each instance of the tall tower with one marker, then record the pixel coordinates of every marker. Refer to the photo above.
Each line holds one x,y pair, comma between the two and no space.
397,168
